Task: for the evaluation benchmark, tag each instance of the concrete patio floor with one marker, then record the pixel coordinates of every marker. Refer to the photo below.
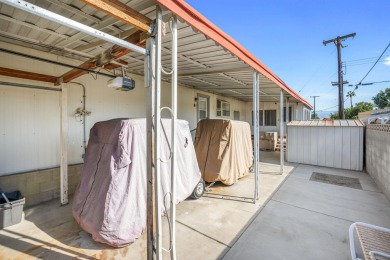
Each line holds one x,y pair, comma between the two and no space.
293,218
310,220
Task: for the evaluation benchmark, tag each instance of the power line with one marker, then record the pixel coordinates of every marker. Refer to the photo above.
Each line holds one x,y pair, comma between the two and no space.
361,59
372,66
364,59
325,109
315,72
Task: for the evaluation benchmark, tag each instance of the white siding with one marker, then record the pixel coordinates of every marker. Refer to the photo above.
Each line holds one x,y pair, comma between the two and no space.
29,118
331,146
338,147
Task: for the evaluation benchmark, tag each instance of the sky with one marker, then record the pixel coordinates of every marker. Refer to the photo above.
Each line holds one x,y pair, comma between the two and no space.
287,36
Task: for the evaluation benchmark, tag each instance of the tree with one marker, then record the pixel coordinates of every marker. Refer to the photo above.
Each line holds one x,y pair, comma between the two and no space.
382,99
351,94
352,113
314,116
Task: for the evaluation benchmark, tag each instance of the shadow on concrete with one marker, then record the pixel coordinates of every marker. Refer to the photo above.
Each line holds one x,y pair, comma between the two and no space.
49,231
38,248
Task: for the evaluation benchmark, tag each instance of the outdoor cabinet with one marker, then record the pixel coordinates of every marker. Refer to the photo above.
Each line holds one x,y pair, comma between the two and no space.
330,143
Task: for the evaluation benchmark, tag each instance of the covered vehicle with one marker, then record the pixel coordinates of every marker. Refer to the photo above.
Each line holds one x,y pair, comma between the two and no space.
224,150
110,201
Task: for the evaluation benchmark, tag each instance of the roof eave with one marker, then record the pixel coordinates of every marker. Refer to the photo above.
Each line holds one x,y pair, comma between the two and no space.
201,23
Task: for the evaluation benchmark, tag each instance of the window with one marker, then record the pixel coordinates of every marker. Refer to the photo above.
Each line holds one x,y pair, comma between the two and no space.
203,106
260,117
289,114
306,114
223,108
270,117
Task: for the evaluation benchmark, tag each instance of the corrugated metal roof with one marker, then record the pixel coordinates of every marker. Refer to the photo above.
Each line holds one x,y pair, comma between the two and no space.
200,22
204,63
346,123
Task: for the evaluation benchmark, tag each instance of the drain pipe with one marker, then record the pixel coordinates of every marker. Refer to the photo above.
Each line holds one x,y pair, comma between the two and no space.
84,126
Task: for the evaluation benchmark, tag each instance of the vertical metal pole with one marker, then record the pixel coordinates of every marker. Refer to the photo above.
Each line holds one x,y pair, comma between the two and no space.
150,85
287,110
173,136
287,120
314,108
341,85
255,134
157,130
258,133
281,133
64,146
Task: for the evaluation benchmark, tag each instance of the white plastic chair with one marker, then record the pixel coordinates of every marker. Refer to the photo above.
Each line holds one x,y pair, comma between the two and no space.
369,242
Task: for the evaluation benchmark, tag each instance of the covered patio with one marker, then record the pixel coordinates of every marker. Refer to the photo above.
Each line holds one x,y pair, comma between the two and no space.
161,45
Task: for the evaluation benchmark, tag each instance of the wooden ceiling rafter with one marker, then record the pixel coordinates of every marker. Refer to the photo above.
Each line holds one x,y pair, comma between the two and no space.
124,13
115,53
27,75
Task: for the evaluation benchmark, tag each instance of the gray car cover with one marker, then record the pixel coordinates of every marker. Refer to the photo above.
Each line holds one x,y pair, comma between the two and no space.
110,201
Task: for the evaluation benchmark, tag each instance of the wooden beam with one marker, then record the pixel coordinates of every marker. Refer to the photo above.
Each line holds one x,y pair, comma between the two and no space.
122,12
111,66
27,75
115,53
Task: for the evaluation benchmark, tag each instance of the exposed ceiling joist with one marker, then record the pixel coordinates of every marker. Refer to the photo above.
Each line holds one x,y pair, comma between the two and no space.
103,24
27,75
214,70
204,81
122,12
32,26
112,54
164,49
250,95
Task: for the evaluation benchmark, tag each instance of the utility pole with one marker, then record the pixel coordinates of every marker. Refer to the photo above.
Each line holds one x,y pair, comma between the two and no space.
337,41
314,105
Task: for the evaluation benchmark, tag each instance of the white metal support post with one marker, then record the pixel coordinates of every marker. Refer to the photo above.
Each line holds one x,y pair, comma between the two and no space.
255,135
281,133
150,85
173,136
287,110
64,146
287,120
157,130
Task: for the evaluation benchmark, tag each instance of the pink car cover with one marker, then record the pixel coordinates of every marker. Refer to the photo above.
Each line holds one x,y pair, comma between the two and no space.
110,201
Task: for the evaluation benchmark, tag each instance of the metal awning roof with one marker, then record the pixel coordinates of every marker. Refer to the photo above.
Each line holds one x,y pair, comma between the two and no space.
208,59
